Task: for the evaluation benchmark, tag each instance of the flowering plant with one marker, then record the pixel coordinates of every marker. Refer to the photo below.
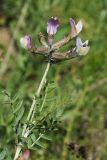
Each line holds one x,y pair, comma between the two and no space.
50,50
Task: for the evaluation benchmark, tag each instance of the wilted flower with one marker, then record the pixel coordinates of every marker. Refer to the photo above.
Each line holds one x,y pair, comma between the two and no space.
26,42
52,26
76,28
82,48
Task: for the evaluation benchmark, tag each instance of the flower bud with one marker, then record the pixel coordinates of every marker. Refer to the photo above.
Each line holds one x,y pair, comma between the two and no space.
52,26
76,28
26,42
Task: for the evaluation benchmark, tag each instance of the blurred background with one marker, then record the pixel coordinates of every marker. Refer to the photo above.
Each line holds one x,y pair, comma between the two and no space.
82,82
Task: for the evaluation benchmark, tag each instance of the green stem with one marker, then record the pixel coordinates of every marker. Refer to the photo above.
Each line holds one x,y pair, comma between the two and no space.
43,80
25,132
43,101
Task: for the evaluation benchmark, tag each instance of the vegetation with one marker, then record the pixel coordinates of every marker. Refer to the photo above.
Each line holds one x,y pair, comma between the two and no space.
74,116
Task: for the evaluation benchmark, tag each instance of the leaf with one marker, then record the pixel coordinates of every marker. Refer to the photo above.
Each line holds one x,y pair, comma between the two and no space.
9,158
19,105
51,87
33,137
40,144
51,99
20,115
16,97
34,148
29,142
3,154
47,137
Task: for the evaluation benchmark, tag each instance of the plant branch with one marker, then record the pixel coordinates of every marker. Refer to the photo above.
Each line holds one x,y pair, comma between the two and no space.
25,132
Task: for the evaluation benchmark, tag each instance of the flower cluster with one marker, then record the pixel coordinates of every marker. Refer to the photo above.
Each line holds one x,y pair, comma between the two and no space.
50,48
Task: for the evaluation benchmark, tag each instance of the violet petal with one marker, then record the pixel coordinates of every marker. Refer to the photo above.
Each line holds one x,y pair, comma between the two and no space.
52,26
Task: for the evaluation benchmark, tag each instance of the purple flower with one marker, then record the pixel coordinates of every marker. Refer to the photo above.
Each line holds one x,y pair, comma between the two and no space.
76,28
26,42
52,26
82,48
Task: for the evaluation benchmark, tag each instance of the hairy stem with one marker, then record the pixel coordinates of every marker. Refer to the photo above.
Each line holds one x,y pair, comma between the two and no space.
25,132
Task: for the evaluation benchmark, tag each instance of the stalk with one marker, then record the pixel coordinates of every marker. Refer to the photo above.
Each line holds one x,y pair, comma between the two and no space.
25,132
